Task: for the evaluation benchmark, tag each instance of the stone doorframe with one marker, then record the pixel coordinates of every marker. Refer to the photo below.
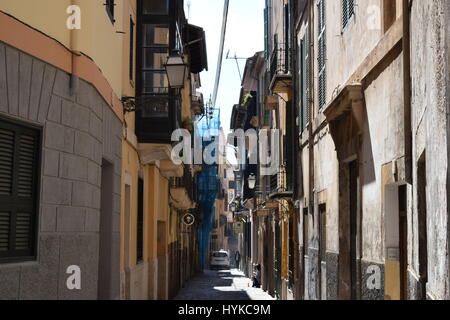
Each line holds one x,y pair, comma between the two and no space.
346,117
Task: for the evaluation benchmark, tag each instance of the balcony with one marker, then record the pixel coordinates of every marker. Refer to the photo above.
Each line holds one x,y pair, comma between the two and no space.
278,186
198,104
157,116
183,191
280,71
238,117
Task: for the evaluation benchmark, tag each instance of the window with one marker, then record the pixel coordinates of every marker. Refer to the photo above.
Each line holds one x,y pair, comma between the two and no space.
156,7
110,9
219,254
155,49
131,48
348,10
305,80
19,163
322,54
286,31
289,149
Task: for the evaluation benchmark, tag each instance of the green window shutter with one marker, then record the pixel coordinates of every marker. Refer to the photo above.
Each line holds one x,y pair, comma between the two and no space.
322,54
289,149
307,79
286,44
19,163
266,34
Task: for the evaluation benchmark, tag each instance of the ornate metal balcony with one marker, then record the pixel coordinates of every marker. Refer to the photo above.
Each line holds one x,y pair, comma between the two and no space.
280,69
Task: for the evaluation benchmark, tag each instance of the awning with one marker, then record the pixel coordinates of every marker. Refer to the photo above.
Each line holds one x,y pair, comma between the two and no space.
196,47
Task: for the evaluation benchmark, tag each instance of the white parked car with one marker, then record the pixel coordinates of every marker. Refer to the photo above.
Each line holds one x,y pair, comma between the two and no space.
220,260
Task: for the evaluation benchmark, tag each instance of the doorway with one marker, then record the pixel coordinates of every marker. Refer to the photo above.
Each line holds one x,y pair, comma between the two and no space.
396,242
349,226
105,276
322,251
354,209
403,241
422,221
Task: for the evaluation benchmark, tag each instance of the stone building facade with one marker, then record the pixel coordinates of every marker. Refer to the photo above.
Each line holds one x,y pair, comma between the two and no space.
429,228
368,85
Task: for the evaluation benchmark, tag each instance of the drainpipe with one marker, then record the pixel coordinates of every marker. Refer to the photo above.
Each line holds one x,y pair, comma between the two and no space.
406,43
74,47
311,107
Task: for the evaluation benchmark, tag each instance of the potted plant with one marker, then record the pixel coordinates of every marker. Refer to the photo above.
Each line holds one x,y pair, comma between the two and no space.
247,98
187,124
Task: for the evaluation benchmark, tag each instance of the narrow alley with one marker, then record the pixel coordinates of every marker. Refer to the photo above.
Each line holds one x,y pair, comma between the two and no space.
159,150
221,285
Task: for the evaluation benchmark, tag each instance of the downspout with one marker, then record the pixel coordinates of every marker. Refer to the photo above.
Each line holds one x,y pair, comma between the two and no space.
311,109
406,44
74,47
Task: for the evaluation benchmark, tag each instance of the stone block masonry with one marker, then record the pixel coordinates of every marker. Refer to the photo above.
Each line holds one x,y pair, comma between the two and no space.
79,131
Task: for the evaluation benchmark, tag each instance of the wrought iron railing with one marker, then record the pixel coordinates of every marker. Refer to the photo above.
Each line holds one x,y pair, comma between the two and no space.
198,104
280,60
187,182
274,187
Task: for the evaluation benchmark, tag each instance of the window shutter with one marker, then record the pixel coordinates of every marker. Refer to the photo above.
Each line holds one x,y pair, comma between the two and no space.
348,10
289,148
322,54
6,161
5,225
266,34
306,77
27,163
286,38
19,163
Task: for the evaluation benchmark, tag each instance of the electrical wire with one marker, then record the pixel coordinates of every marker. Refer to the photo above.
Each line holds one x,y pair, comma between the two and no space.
220,59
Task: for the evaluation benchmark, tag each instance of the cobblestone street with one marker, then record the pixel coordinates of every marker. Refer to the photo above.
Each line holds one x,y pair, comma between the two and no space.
221,285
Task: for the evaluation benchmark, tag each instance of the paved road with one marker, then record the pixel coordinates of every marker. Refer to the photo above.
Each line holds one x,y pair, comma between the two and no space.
221,285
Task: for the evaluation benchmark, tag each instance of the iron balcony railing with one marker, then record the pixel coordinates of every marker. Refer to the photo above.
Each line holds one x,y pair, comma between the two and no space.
274,187
280,183
280,61
198,104
187,182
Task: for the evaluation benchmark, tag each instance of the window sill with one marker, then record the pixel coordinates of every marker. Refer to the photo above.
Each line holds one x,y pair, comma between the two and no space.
18,264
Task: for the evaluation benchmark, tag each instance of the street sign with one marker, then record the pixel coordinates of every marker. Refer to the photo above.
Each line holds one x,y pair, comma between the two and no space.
188,219
238,227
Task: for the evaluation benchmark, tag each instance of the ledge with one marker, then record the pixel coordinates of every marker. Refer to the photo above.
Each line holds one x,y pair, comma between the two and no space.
349,99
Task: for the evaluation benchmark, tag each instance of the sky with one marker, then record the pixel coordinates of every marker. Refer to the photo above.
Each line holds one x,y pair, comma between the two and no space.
244,37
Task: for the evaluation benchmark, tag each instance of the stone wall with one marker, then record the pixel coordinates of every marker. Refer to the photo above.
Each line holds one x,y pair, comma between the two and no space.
79,132
430,111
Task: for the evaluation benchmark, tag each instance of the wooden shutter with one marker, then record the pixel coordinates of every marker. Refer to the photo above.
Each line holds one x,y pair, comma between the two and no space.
348,10
289,147
19,166
285,47
266,34
306,76
322,54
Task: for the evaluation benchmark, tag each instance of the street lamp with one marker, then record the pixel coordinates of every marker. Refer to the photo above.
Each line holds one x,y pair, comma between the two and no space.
252,181
176,70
